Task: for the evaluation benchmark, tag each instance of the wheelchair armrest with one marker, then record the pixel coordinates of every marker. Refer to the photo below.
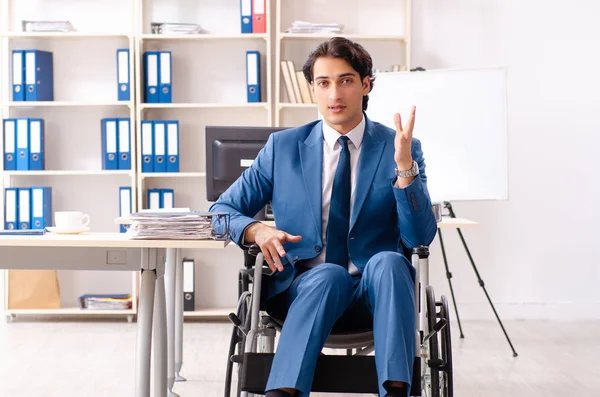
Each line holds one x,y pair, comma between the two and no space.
422,251
254,250
250,256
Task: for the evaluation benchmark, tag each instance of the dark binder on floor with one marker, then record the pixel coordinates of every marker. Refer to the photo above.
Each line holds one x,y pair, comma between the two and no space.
188,285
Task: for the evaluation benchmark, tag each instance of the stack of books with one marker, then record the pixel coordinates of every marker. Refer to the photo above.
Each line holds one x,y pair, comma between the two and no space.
296,86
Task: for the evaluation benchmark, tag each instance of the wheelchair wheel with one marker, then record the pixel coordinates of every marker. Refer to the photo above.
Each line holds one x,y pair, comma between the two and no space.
433,388
245,317
448,390
237,343
441,382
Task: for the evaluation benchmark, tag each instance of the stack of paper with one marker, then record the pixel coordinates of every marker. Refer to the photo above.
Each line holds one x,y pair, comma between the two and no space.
307,27
105,302
47,26
177,225
176,28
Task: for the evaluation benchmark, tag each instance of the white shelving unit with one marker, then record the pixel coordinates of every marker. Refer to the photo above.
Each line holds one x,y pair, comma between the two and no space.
390,44
65,104
69,173
204,36
66,35
173,175
260,105
72,123
209,88
317,36
188,89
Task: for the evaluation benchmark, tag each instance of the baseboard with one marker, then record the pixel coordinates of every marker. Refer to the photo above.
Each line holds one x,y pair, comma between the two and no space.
566,311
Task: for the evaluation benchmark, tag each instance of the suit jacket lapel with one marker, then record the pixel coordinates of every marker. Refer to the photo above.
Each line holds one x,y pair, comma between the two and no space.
311,158
370,156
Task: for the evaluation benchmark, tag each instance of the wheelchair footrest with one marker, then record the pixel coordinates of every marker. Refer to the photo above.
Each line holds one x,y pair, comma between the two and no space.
334,374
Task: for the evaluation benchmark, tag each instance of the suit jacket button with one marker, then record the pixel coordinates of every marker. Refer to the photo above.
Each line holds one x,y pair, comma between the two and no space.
317,248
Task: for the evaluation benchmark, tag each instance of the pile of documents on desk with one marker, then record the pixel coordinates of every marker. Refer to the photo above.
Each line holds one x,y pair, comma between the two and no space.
307,27
175,225
105,302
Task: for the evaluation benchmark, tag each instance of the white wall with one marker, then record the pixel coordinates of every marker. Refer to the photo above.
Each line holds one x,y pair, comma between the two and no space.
536,252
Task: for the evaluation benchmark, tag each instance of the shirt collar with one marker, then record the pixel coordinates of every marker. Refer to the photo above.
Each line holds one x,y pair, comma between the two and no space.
355,135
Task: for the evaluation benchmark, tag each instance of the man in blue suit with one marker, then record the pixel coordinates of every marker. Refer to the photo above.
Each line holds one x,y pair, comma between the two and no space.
349,197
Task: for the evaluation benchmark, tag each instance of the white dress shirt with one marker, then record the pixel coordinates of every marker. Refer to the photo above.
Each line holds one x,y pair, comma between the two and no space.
331,155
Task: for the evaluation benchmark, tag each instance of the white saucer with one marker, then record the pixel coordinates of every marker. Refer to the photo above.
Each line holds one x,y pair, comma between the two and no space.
56,230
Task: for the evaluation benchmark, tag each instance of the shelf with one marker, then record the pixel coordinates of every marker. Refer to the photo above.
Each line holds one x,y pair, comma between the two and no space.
202,105
173,175
324,36
204,36
24,104
67,35
298,105
210,313
68,310
202,313
69,173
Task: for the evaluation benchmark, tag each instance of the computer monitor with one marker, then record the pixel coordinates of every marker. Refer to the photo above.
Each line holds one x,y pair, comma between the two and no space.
229,151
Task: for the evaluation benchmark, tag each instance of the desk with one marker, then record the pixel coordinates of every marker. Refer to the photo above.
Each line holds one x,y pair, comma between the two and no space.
173,287
454,223
114,251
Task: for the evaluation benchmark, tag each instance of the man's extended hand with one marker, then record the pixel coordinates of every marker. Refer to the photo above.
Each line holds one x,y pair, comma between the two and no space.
271,242
403,141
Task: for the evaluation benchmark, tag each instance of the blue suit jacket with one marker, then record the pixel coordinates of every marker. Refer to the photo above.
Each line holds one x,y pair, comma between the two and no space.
288,172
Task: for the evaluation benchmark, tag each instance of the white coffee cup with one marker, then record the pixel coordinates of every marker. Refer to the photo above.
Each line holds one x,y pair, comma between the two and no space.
71,219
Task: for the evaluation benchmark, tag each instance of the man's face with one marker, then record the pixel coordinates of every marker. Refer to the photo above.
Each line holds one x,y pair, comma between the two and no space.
339,92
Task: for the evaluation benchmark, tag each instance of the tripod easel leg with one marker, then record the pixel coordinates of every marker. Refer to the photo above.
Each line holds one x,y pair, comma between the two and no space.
481,283
449,277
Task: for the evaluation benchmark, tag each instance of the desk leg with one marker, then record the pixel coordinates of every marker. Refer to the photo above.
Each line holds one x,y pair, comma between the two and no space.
160,329
449,277
144,328
170,274
178,317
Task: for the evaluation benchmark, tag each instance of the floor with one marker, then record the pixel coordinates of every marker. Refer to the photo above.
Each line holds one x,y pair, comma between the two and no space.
95,358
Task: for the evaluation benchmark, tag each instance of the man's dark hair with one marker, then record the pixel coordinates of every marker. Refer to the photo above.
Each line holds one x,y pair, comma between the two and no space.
351,52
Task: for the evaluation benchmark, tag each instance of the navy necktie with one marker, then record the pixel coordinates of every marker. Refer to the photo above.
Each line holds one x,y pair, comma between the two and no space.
339,211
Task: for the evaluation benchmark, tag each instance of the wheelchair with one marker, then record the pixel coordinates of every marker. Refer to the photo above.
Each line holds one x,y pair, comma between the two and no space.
252,344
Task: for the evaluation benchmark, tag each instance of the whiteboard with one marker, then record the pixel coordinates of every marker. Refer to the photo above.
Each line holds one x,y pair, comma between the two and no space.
461,123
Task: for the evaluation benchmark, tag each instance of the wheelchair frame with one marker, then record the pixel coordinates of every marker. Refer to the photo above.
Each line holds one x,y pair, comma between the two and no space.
254,336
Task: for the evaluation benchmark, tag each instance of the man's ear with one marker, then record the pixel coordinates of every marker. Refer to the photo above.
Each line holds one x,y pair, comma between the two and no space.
366,83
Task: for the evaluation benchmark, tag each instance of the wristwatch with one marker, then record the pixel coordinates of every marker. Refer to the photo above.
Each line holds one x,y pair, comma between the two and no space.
414,171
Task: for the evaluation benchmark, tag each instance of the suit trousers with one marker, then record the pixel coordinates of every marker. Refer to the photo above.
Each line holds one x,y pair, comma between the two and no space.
327,298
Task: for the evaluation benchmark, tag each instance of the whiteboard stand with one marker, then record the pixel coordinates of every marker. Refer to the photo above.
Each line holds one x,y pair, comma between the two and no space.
448,206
